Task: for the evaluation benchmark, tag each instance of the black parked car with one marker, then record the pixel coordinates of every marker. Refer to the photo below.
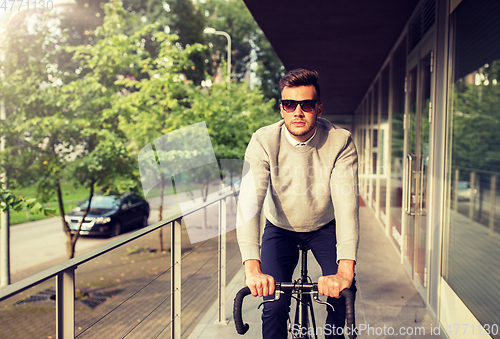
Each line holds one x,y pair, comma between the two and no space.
110,214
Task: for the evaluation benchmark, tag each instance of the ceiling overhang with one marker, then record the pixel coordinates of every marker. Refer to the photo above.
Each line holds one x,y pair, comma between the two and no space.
346,41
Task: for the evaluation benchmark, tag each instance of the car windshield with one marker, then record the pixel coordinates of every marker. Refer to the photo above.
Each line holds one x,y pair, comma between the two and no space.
104,202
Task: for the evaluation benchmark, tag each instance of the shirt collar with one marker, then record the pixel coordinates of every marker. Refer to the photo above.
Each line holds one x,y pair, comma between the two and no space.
296,143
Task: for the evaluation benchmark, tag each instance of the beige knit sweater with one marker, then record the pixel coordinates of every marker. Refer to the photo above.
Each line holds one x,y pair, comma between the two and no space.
301,188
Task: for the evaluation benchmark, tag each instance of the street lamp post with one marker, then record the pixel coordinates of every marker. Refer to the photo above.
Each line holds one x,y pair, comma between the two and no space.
222,212
210,30
4,215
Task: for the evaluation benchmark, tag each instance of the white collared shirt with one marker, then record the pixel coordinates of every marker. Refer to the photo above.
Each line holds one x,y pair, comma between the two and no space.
296,143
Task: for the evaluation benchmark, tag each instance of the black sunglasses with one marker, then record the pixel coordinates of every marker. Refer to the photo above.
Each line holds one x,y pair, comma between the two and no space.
305,105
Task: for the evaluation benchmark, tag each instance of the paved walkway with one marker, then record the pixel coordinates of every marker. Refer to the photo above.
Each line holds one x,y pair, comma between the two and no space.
386,300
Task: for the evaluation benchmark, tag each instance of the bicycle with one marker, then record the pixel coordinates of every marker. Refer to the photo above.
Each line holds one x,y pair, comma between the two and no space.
301,290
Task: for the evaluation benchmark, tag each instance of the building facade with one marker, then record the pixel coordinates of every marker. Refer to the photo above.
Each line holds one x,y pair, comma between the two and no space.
427,133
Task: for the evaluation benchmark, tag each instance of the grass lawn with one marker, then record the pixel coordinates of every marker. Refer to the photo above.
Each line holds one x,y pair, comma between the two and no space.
71,196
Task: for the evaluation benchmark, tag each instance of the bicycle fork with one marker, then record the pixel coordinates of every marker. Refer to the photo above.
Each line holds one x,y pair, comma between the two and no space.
304,307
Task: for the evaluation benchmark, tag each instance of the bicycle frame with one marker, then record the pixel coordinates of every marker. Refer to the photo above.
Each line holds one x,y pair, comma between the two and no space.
304,305
303,289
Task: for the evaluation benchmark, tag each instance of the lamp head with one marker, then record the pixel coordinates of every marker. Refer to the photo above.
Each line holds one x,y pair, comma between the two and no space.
209,30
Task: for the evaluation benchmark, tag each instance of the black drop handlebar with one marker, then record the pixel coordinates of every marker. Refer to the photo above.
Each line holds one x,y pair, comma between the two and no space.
242,327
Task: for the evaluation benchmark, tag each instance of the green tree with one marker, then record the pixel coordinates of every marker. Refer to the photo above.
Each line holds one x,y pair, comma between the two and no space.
475,139
178,17
475,120
108,66
231,115
150,105
269,70
250,46
38,135
11,202
67,126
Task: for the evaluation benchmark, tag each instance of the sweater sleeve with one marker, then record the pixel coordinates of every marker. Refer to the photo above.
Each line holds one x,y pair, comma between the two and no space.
254,186
345,197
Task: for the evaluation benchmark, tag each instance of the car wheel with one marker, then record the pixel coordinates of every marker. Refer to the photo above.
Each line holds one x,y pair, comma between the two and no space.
145,220
117,229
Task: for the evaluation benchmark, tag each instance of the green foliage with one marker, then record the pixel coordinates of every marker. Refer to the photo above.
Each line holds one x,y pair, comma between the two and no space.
110,68
87,118
269,70
234,18
37,130
178,17
10,202
249,44
61,125
476,118
188,23
232,115
148,106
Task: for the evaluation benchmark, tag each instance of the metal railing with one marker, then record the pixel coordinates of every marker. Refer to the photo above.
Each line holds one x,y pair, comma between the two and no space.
65,272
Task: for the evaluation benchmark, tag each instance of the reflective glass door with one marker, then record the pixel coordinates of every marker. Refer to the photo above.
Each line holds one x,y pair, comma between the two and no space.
419,105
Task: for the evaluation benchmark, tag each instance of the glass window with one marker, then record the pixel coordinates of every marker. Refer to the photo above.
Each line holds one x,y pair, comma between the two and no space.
473,244
375,143
384,127
375,103
398,64
135,199
101,202
474,210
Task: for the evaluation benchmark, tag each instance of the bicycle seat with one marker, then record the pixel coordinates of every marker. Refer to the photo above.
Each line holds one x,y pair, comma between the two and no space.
303,247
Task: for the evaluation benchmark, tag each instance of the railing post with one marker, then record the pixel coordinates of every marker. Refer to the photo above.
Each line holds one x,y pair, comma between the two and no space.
493,194
455,190
175,278
222,262
4,248
472,200
65,304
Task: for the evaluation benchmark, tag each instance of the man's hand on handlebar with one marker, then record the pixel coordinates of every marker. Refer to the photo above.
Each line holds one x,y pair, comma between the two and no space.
260,284
332,285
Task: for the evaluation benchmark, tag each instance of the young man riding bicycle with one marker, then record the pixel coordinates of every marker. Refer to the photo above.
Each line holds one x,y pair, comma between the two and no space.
303,171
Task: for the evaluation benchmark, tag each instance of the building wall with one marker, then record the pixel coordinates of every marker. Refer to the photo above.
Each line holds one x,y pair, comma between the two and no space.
427,137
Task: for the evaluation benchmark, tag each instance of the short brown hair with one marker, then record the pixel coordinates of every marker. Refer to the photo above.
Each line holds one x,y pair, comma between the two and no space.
300,77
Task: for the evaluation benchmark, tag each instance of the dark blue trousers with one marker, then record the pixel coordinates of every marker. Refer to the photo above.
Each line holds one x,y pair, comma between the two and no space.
280,255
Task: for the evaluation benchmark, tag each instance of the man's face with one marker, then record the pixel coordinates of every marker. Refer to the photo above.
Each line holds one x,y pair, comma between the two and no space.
300,124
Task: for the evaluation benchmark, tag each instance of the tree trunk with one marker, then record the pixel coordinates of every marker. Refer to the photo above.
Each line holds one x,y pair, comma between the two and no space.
70,246
72,238
65,225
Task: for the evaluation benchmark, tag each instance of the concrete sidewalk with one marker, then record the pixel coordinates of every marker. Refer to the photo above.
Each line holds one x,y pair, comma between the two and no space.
387,303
